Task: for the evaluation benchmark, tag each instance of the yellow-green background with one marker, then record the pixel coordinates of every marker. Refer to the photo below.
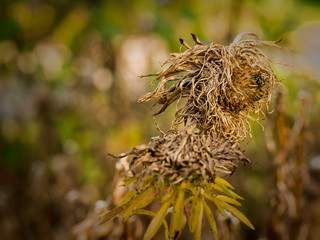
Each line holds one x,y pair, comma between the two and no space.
69,84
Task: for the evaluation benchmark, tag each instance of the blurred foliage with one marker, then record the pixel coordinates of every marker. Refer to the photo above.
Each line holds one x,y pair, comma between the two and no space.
69,84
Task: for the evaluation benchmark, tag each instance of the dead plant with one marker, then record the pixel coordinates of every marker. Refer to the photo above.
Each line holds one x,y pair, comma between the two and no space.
222,85
184,168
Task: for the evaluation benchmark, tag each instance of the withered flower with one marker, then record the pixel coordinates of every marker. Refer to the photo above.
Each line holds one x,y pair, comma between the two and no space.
221,85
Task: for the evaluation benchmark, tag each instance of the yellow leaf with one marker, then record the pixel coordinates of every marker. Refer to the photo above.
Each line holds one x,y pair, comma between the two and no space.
143,200
211,219
223,181
177,214
235,212
222,188
227,200
130,195
129,180
236,196
226,190
195,209
134,192
197,232
217,188
185,202
150,213
108,216
216,202
156,221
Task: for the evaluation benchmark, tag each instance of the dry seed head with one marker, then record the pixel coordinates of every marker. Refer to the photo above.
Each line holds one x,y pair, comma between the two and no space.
222,85
179,156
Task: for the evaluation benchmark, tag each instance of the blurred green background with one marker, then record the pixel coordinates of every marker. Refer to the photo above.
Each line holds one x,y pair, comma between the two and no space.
69,81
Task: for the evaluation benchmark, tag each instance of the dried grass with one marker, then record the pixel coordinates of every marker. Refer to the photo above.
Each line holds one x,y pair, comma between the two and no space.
219,84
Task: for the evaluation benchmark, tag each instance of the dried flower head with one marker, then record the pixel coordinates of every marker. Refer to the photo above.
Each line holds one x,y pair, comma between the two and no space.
177,156
222,85
181,169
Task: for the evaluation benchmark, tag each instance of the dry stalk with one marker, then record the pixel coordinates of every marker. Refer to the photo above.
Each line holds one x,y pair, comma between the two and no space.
290,209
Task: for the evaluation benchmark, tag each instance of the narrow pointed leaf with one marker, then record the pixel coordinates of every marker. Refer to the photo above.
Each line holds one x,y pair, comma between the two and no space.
216,202
223,181
133,192
108,216
212,221
217,188
143,200
195,209
227,200
197,232
150,213
130,195
235,212
236,196
177,215
157,221
185,202
128,181
223,189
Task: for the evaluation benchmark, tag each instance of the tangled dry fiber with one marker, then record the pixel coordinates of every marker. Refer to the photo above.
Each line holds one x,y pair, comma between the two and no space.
178,156
220,85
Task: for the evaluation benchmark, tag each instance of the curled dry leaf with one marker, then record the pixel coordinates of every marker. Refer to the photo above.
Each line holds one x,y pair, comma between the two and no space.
180,155
222,85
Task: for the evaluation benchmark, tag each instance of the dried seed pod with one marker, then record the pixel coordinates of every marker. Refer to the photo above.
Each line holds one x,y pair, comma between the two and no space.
222,85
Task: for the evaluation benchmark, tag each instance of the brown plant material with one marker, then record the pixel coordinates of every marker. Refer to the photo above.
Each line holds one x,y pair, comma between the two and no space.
178,156
222,85
293,215
183,170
